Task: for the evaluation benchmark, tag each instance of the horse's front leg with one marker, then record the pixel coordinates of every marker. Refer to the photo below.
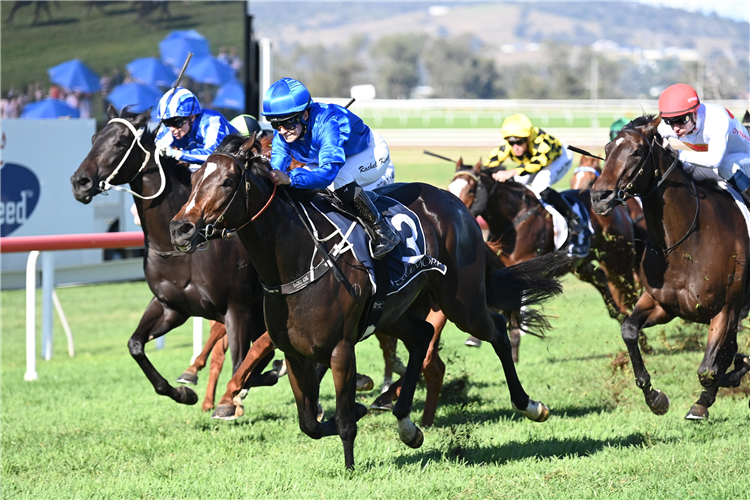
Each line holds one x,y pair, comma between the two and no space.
344,371
433,368
647,312
155,322
304,378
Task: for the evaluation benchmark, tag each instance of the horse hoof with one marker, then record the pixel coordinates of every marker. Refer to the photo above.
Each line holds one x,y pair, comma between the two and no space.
658,402
417,441
381,407
279,366
186,395
188,378
740,359
225,412
321,412
473,342
364,383
535,411
697,412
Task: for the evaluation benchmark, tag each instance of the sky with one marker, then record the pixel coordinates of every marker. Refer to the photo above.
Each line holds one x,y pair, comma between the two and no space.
739,10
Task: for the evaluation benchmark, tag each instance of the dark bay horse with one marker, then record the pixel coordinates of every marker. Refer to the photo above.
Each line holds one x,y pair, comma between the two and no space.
183,285
695,266
521,229
318,323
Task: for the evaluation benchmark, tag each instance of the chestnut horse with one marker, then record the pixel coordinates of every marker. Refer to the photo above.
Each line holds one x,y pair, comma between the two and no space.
521,229
232,192
695,266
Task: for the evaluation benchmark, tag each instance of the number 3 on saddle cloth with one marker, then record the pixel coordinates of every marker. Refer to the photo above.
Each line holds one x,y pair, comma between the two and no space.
560,223
401,265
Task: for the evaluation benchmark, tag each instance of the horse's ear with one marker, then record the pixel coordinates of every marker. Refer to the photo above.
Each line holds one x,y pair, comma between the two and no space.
142,119
460,163
248,144
112,112
477,167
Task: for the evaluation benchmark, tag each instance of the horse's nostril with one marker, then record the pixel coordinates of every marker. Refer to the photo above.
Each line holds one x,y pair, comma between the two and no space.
186,228
84,182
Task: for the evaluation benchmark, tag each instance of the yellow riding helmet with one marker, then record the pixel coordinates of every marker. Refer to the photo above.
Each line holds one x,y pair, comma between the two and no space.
516,126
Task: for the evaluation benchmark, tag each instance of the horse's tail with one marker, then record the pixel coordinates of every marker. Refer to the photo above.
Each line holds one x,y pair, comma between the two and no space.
526,284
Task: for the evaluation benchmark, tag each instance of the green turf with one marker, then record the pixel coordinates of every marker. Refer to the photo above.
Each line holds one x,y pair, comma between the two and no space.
92,426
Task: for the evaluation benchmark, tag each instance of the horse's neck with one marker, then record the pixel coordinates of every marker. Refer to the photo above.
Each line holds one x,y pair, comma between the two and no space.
279,247
515,202
156,214
670,209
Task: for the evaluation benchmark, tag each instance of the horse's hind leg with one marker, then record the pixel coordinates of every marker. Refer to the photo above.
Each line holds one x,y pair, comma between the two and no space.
190,375
230,405
721,351
531,409
218,355
433,368
155,322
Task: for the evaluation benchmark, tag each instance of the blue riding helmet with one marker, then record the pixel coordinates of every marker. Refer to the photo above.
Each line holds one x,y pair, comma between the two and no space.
180,103
285,97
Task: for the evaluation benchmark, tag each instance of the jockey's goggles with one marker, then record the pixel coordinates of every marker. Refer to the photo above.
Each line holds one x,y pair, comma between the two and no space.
677,120
288,121
516,141
176,122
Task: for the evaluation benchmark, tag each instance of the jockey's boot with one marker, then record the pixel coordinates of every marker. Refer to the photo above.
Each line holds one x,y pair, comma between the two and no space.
741,183
580,236
383,237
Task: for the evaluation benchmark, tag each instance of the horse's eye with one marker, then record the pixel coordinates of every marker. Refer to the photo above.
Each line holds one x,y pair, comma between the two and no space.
228,183
638,153
121,144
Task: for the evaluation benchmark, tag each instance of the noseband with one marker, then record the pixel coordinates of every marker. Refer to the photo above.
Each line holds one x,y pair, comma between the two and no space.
210,231
105,185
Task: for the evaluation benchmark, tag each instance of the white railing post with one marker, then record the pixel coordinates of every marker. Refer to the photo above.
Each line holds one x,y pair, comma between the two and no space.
31,316
197,337
48,286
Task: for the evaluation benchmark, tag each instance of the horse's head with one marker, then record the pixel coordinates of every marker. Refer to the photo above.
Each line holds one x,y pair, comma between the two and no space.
465,181
225,193
113,157
586,173
629,167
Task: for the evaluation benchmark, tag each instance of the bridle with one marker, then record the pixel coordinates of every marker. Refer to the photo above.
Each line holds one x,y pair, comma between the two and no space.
622,195
210,231
105,185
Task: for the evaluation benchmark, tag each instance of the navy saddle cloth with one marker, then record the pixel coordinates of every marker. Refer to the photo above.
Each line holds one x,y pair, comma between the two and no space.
406,261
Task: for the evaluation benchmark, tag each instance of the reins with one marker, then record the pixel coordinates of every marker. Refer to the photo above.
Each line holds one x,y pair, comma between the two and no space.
105,185
663,177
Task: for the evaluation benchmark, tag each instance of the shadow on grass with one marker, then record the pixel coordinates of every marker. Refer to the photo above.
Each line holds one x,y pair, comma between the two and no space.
457,448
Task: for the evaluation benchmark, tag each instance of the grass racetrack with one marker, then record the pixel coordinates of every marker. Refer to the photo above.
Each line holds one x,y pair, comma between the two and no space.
92,427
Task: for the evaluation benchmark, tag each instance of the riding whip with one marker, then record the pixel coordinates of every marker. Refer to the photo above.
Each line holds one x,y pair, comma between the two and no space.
182,72
438,156
584,152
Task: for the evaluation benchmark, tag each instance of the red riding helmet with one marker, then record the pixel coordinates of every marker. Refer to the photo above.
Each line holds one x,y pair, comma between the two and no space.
679,99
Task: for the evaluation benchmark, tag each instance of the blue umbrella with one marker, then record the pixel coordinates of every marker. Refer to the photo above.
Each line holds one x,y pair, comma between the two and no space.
49,108
210,69
74,75
151,71
138,96
176,45
231,95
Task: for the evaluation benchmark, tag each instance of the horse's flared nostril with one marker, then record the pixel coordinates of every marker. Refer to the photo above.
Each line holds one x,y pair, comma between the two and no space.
186,228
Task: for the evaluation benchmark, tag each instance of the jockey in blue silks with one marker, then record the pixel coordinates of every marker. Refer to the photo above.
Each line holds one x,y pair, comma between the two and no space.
339,151
188,132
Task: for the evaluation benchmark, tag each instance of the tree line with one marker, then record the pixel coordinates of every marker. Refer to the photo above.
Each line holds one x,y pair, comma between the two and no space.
464,68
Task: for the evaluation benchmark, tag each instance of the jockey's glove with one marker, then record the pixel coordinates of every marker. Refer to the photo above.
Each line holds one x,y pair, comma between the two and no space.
171,152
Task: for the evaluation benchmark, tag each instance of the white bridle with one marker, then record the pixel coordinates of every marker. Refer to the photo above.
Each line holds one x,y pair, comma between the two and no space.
106,186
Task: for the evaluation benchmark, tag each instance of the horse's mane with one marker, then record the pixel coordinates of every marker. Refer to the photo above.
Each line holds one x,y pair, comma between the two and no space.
640,121
149,136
